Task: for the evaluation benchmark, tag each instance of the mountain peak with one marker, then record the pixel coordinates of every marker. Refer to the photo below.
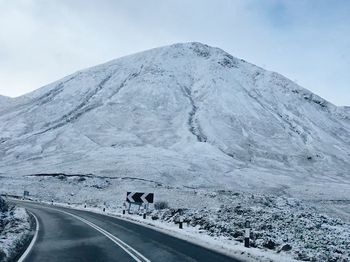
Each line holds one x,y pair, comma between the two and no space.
188,50
184,112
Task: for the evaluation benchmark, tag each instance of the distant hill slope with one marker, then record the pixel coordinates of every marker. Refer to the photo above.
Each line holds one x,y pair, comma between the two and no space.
8,103
4,100
182,114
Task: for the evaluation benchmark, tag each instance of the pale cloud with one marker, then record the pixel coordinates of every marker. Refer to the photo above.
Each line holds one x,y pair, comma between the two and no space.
308,41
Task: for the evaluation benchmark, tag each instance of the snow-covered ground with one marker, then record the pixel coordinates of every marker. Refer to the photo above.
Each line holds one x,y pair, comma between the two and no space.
15,230
280,224
193,234
183,121
283,228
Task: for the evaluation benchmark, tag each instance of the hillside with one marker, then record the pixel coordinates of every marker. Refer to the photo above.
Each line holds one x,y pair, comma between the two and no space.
4,101
182,115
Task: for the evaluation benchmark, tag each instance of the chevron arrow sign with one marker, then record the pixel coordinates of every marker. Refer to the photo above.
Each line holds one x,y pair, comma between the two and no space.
138,197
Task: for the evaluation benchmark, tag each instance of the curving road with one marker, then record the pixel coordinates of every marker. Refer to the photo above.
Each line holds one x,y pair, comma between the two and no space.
74,235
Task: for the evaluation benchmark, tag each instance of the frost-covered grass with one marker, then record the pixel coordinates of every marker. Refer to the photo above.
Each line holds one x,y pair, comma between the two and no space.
282,229
15,230
281,224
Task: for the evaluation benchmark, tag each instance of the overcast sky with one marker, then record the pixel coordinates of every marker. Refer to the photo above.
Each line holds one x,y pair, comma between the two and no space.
307,41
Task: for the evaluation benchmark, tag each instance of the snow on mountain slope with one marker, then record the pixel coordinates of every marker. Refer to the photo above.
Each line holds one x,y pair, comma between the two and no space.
8,103
4,101
345,111
4,98
185,114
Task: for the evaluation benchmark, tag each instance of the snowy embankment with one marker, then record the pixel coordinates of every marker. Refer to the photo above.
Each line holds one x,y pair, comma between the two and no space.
279,224
15,231
283,229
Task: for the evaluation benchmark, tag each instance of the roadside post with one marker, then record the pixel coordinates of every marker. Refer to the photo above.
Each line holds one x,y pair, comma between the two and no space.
247,233
144,212
124,207
25,194
181,220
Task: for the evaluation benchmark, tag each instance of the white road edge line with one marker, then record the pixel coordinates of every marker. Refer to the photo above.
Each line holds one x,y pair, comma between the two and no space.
30,247
128,249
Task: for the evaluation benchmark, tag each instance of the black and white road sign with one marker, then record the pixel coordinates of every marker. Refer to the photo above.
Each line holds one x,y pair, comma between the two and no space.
138,197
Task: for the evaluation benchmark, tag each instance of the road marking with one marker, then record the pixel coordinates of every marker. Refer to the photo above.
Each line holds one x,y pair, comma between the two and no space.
30,247
128,249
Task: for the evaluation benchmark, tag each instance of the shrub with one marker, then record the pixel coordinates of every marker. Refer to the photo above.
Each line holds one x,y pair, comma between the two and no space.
161,205
3,205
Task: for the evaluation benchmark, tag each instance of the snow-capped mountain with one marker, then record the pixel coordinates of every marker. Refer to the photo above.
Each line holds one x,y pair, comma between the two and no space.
185,114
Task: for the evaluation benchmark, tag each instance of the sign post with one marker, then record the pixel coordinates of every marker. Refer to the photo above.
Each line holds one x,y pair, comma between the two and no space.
124,207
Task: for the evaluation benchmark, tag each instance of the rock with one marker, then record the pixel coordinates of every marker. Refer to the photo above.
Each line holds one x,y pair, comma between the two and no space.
81,179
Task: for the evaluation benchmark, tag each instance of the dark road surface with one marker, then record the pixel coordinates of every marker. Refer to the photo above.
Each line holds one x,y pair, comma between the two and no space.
73,235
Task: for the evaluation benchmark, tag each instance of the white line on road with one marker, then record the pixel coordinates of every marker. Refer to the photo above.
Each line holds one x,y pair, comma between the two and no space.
128,249
26,253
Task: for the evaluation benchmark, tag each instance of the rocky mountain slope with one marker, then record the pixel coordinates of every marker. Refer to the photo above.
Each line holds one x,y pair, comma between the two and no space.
185,115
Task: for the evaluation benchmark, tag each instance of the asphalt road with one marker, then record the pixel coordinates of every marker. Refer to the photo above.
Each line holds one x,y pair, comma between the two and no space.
74,235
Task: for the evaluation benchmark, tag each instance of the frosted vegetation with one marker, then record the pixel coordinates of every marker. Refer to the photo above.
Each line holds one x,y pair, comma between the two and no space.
15,231
280,225
283,225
